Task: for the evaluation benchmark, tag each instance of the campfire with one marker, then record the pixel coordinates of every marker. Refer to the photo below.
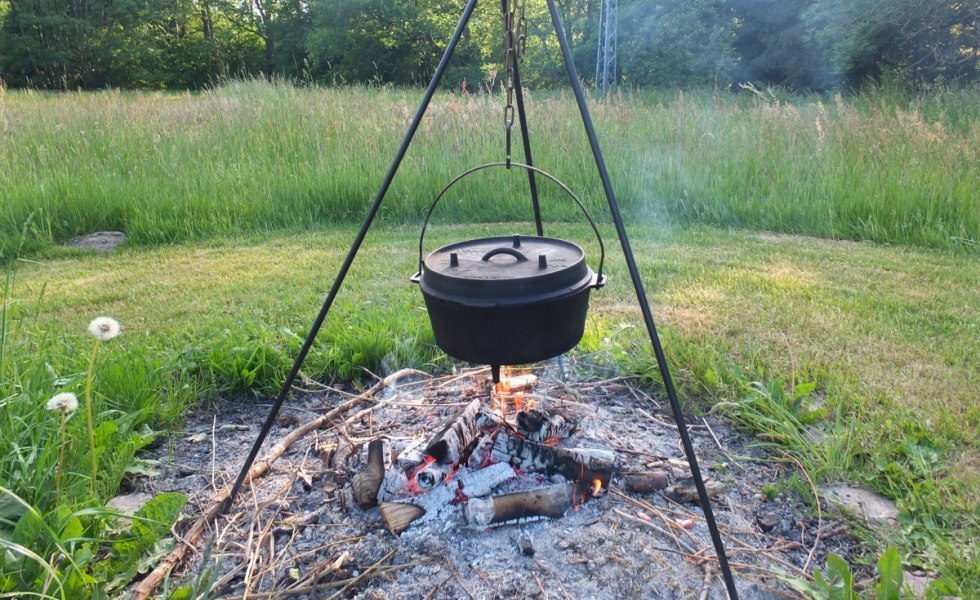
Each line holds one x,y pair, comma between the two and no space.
503,458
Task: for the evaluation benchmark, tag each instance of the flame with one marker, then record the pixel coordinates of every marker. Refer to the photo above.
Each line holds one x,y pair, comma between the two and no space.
597,488
509,393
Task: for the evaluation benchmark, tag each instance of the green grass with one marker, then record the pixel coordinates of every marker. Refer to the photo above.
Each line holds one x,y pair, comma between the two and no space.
253,156
875,346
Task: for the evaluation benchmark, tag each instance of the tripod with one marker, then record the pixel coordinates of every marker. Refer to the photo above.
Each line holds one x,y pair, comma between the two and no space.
614,212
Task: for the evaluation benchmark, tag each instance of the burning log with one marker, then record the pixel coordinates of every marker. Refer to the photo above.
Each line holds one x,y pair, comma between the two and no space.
397,516
574,464
645,483
551,502
365,485
539,426
450,444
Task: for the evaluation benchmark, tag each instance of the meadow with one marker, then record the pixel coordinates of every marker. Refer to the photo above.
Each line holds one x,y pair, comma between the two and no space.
887,167
240,203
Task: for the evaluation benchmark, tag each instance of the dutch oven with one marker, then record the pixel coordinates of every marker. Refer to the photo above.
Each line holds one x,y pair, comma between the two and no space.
507,300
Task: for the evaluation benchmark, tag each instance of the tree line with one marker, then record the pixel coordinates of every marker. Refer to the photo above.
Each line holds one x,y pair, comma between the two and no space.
190,44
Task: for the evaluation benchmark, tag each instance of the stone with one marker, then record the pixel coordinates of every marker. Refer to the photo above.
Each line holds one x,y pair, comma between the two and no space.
767,520
874,507
104,241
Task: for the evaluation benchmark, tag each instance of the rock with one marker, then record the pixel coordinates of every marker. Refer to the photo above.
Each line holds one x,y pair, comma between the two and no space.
874,507
128,504
767,520
104,241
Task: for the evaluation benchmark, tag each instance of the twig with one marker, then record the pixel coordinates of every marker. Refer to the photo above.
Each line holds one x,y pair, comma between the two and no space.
259,468
436,587
816,499
459,580
368,571
320,586
718,443
658,529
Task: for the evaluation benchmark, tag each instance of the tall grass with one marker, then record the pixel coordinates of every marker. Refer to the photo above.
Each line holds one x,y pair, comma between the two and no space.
252,156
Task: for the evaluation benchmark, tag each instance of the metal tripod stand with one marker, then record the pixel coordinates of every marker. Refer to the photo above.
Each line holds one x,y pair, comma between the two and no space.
620,230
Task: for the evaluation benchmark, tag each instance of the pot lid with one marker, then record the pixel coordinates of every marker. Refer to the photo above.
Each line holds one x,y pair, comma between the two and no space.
506,270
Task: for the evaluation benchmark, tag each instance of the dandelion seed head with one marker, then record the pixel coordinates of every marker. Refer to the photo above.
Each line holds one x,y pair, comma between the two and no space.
104,328
65,402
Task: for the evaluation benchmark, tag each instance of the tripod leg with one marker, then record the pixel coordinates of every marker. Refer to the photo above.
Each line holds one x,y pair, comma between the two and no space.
355,246
644,306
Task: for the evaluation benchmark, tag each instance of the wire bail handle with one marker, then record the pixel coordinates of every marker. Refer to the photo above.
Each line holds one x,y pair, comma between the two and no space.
600,280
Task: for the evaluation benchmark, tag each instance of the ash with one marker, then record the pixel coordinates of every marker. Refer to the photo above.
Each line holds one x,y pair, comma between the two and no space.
297,532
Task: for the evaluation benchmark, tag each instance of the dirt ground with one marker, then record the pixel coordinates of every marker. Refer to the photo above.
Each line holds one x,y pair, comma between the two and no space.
295,532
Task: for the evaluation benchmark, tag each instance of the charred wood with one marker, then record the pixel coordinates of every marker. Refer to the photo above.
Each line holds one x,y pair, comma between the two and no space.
366,484
539,426
645,483
573,463
452,441
397,516
685,491
551,502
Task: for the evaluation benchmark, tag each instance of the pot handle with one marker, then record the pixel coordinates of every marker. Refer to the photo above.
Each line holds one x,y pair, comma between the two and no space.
600,280
504,250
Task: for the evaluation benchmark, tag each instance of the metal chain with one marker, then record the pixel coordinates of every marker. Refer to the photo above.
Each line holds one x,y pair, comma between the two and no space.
515,38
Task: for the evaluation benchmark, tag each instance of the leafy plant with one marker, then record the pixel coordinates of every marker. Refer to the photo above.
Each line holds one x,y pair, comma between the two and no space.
836,581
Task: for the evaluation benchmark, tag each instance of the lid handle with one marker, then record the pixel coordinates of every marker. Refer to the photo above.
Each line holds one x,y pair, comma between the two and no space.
504,250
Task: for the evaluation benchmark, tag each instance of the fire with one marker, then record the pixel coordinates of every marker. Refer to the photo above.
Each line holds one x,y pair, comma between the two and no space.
597,488
509,393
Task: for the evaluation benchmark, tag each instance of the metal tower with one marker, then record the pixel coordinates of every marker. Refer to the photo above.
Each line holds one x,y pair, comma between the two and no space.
605,63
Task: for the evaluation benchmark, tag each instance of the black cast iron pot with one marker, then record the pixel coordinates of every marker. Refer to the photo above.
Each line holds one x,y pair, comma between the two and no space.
507,300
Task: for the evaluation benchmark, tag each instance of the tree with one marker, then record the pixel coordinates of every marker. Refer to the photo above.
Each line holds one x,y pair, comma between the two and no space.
675,42
923,40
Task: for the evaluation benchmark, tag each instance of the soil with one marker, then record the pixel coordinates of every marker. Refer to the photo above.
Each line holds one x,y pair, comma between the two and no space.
298,525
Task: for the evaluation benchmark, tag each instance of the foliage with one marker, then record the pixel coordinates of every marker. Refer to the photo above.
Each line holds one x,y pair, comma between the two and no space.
56,538
176,44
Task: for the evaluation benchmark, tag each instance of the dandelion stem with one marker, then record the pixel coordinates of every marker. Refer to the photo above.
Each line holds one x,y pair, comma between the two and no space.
90,423
61,460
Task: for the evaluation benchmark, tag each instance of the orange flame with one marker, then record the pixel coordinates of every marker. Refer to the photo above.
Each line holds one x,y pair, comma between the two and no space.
597,488
509,393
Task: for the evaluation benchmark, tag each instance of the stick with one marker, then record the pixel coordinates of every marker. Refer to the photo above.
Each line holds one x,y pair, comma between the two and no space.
260,468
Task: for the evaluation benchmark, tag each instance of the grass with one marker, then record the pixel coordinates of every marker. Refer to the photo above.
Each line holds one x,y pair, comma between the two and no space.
252,156
748,319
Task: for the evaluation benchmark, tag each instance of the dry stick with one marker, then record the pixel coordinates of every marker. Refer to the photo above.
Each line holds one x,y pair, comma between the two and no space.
320,586
720,447
816,498
436,587
259,468
540,585
452,570
368,571
657,528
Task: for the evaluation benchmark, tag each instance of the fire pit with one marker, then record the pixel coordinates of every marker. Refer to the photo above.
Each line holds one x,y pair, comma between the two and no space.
300,527
501,459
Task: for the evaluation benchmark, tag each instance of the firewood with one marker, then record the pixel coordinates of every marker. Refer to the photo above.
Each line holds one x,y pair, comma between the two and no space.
397,516
451,442
645,483
685,491
573,463
366,484
552,502
540,426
